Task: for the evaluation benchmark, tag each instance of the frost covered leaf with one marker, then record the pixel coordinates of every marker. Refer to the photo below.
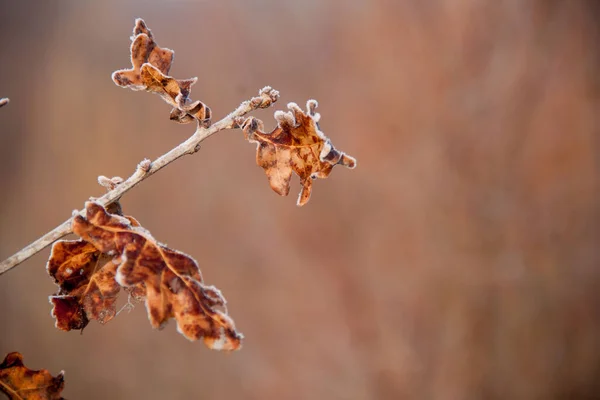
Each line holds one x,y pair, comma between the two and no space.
170,281
4,101
143,50
87,286
176,93
297,144
21,383
149,71
86,280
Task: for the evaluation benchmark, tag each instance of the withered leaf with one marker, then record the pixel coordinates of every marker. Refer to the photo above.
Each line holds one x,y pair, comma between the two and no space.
176,93
161,58
21,383
149,71
87,286
297,144
171,280
143,50
86,281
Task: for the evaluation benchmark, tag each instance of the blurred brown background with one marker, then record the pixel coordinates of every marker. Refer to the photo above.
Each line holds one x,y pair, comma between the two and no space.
458,261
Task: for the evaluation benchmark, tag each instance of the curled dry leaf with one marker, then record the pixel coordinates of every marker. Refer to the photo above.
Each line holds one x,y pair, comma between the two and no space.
86,281
170,281
297,144
4,101
143,50
176,93
149,71
21,383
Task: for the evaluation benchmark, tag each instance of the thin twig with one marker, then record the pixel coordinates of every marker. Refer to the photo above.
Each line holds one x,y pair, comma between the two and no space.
145,169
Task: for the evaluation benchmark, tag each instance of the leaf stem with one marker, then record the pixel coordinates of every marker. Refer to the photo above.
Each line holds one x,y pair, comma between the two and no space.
267,96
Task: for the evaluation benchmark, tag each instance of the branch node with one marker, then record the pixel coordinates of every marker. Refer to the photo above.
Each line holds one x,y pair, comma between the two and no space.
238,122
109,183
144,166
266,97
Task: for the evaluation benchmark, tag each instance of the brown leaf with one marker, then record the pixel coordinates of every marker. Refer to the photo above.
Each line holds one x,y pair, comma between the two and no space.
150,69
176,93
143,50
86,279
297,144
87,286
172,280
159,57
21,383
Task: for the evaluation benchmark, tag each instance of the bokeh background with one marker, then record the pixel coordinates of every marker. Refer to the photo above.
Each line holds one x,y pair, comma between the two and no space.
459,260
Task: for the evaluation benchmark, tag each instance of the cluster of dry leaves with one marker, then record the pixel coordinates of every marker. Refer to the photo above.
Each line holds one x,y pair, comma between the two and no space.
297,143
115,252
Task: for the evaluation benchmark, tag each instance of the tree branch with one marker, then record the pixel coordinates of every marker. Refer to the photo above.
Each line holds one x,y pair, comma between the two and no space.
267,96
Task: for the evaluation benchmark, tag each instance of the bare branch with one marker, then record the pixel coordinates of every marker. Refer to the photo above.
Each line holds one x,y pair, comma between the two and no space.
267,96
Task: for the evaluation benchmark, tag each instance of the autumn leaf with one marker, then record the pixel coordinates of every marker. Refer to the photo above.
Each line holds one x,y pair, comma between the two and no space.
86,281
4,101
149,71
176,92
161,58
297,144
169,280
20,383
143,50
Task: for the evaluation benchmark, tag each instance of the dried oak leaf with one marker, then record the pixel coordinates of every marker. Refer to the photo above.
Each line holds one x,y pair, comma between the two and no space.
176,93
150,69
171,280
297,144
143,50
21,383
86,281
87,286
